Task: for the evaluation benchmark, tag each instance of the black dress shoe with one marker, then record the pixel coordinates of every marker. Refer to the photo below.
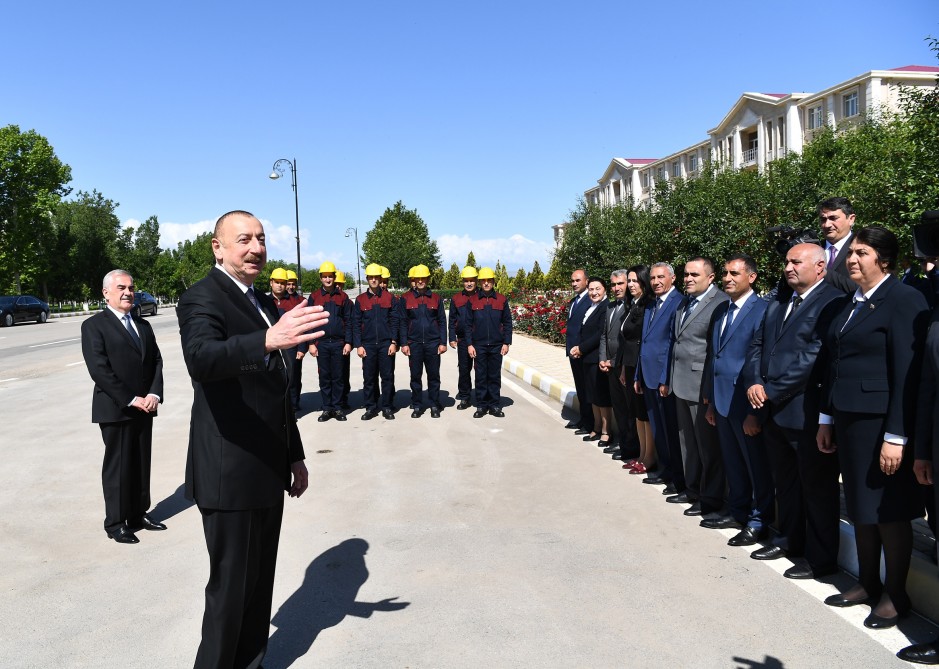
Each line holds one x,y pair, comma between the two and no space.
843,602
124,535
338,415
479,413
617,455
693,510
589,437
148,523
579,431
369,414
498,413
669,489
325,416
388,414
572,426
680,498
417,412
464,404
875,622
604,443
768,553
747,536
805,572
921,653
726,523
610,450
654,480
434,412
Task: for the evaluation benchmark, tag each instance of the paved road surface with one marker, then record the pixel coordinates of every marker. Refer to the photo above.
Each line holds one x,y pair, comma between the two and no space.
511,542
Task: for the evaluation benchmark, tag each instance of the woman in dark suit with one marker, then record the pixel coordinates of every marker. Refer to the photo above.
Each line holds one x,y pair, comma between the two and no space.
872,350
597,390
639,297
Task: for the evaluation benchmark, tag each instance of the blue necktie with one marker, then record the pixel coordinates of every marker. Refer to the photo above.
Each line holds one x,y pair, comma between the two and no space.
730,321
132,332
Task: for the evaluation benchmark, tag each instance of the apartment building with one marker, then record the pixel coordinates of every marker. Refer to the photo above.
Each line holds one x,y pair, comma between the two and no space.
759,128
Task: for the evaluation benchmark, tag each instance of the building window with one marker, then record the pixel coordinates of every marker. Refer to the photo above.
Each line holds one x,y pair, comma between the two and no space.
676,168
692,162
660,174
814,117
781,124
849,104
645,179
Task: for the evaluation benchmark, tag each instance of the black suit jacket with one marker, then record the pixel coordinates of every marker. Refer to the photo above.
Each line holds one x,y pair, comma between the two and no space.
838,276
590,332
119,369
574,320
873,364
783,357
243,434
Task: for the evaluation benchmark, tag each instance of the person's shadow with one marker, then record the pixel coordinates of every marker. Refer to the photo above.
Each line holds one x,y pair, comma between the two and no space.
172,505
326,596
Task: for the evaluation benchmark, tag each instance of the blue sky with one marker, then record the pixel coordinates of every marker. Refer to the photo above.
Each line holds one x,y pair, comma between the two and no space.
489,118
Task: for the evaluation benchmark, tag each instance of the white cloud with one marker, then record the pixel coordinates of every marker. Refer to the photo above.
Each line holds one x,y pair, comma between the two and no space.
513,252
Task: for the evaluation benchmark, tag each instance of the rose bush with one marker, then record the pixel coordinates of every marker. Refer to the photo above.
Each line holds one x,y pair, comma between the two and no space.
541,314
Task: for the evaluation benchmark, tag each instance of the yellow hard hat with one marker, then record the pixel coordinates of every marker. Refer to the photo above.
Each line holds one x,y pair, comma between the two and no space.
469,272
327,268
373,269
279,274
340,277
411,273
486,273
421,272
291,275
385,274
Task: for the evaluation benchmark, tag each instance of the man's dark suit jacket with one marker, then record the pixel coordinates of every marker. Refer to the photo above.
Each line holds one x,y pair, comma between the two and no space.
611,337
120,371
574,320
652,368
724,384
783,357
838,276
243,437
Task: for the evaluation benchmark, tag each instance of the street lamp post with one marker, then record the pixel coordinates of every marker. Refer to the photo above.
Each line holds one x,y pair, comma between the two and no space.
276,173
358,270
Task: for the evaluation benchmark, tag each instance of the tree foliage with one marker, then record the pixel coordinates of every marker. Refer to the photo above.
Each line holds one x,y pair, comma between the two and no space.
399,240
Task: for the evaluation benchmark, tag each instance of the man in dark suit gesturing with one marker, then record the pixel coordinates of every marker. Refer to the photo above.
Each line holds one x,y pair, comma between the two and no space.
244,446
124,361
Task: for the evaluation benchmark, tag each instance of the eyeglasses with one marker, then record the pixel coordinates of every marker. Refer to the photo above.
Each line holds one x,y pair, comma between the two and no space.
830,217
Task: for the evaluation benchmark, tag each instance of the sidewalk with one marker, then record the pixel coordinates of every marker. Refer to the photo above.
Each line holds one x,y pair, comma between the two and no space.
544,366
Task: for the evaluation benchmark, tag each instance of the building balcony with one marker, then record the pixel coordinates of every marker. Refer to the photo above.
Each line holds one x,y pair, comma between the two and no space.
749,157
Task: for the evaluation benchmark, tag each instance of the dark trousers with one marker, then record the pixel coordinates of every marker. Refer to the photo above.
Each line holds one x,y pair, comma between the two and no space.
346,385
242,556
488,365
808,497
701,455
662,416
329,365
580,387
125,474
294,375
626,434
464,364
377,363
749,478
424,357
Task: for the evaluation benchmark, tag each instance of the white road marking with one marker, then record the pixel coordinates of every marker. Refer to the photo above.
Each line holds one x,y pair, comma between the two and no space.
50,343
15,378
72,364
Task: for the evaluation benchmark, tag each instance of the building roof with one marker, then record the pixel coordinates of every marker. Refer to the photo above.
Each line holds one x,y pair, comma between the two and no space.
915,68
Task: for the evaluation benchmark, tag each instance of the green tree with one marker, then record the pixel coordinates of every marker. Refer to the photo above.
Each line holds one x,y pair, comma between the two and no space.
471,260
503,281
194,259
87,231
32,182
436,279
451,279
399,240
145,253
520,280
535,280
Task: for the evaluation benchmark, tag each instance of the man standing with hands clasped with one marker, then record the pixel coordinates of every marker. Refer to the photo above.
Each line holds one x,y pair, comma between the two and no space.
244,446
124,361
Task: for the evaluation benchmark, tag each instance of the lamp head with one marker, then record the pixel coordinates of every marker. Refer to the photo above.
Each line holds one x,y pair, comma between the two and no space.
274,175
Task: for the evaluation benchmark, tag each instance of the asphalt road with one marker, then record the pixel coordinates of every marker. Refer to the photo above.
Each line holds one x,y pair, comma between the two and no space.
422,543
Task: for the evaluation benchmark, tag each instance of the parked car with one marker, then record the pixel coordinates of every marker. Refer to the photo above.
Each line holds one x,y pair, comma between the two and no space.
21,308
144,304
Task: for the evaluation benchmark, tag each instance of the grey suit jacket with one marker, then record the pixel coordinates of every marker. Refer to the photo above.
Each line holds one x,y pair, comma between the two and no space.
611,336
690,344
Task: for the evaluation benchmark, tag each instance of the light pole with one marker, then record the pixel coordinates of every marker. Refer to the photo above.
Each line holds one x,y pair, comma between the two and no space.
276,173
358,270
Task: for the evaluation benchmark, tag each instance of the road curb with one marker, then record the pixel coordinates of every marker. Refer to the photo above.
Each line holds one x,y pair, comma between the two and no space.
549,386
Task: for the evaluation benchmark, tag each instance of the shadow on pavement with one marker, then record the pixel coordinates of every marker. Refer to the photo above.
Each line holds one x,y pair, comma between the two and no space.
768,662
326,596
172,505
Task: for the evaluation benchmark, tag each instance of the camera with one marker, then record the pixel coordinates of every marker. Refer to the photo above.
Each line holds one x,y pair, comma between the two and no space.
926,235
785,237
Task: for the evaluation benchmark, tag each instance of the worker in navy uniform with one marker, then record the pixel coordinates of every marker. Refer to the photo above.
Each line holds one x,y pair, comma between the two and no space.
396,301
334,345
423,332
457,322
488,336
281,282
346,385
375,331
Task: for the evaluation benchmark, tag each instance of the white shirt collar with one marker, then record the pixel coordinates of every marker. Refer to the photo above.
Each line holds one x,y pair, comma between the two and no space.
863,297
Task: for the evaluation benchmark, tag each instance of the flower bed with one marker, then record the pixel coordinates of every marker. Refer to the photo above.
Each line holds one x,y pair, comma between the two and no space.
540,314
